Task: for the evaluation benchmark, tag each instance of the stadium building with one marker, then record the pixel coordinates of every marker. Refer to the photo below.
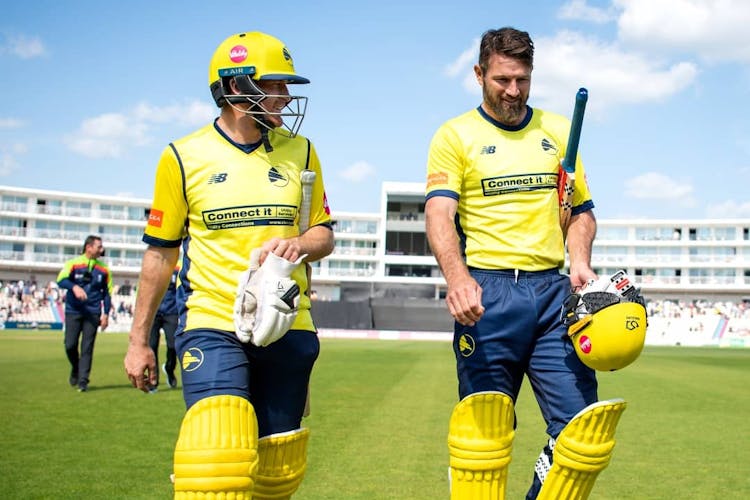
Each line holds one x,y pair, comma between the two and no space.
382,274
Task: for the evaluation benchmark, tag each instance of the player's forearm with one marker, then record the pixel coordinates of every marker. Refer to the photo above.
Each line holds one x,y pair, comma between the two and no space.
66,283
317,243
443,239
156,272
581,234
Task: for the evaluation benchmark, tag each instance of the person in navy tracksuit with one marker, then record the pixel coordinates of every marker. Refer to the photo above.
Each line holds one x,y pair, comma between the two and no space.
88,301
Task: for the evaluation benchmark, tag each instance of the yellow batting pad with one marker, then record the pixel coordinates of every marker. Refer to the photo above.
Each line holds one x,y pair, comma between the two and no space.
283,461
216,454
582,450
480,440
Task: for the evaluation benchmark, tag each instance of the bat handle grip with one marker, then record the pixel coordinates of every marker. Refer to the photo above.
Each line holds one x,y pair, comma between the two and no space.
569,162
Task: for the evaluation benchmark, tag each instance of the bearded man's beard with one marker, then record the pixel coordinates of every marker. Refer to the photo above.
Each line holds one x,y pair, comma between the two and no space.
507,113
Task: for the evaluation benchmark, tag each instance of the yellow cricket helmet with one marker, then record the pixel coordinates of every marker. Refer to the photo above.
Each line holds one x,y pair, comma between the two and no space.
611,338
607,322
248,58
255,54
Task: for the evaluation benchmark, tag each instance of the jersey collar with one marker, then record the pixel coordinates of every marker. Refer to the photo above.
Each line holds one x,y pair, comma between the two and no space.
509,128
247,148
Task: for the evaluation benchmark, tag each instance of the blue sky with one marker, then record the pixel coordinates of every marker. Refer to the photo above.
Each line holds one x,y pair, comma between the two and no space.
91,93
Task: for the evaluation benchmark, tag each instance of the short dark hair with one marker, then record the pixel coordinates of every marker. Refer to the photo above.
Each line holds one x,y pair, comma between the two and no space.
89,240
509,42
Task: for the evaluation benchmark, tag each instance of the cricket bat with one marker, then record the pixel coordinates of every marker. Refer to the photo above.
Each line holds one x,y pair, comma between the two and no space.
307,178
567,173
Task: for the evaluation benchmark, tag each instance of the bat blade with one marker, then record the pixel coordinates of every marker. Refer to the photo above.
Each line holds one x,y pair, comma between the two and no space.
567,173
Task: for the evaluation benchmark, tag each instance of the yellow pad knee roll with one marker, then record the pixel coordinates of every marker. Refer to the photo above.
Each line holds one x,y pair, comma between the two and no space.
480,441
582,450
216,456
283,460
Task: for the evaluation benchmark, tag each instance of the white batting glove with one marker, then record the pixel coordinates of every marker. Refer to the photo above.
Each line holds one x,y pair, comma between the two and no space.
245,301
266,300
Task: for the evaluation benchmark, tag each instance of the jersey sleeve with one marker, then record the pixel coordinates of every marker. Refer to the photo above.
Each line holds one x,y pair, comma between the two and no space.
320,212
110,281
64,275
107,292
444,165
582,200
166,221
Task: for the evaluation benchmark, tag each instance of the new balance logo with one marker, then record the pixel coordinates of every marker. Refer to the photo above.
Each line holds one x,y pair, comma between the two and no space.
216,178
487,150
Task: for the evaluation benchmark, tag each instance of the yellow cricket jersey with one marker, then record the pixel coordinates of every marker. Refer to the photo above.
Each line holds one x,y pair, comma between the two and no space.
505,180
220,200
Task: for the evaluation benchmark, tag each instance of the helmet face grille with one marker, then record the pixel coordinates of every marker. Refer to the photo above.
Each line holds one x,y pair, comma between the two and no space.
596,301
576,305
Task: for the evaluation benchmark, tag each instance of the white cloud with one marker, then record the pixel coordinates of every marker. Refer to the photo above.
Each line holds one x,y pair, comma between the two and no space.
25,47
11,123
110,135
613,76
729,209
8,158
358,171
656,186
465,61
580,10
190,114
716,30
8,164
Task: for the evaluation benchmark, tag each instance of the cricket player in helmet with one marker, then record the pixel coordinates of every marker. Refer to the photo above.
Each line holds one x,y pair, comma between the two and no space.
230,195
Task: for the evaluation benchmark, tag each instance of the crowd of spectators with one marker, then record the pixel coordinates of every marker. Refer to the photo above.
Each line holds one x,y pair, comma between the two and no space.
696,308
20,299
27,300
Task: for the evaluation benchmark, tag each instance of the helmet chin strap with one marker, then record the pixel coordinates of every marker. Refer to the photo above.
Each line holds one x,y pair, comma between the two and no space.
264,134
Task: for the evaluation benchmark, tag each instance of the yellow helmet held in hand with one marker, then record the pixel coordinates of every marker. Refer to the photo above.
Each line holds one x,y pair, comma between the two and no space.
611,338
608,329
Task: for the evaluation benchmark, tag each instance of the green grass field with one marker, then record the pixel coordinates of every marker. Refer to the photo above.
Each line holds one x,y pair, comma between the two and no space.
379,421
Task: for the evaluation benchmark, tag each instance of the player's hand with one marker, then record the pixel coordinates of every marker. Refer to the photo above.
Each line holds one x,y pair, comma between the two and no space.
140,366
80,293
464,299
288,249
580,275
104,321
